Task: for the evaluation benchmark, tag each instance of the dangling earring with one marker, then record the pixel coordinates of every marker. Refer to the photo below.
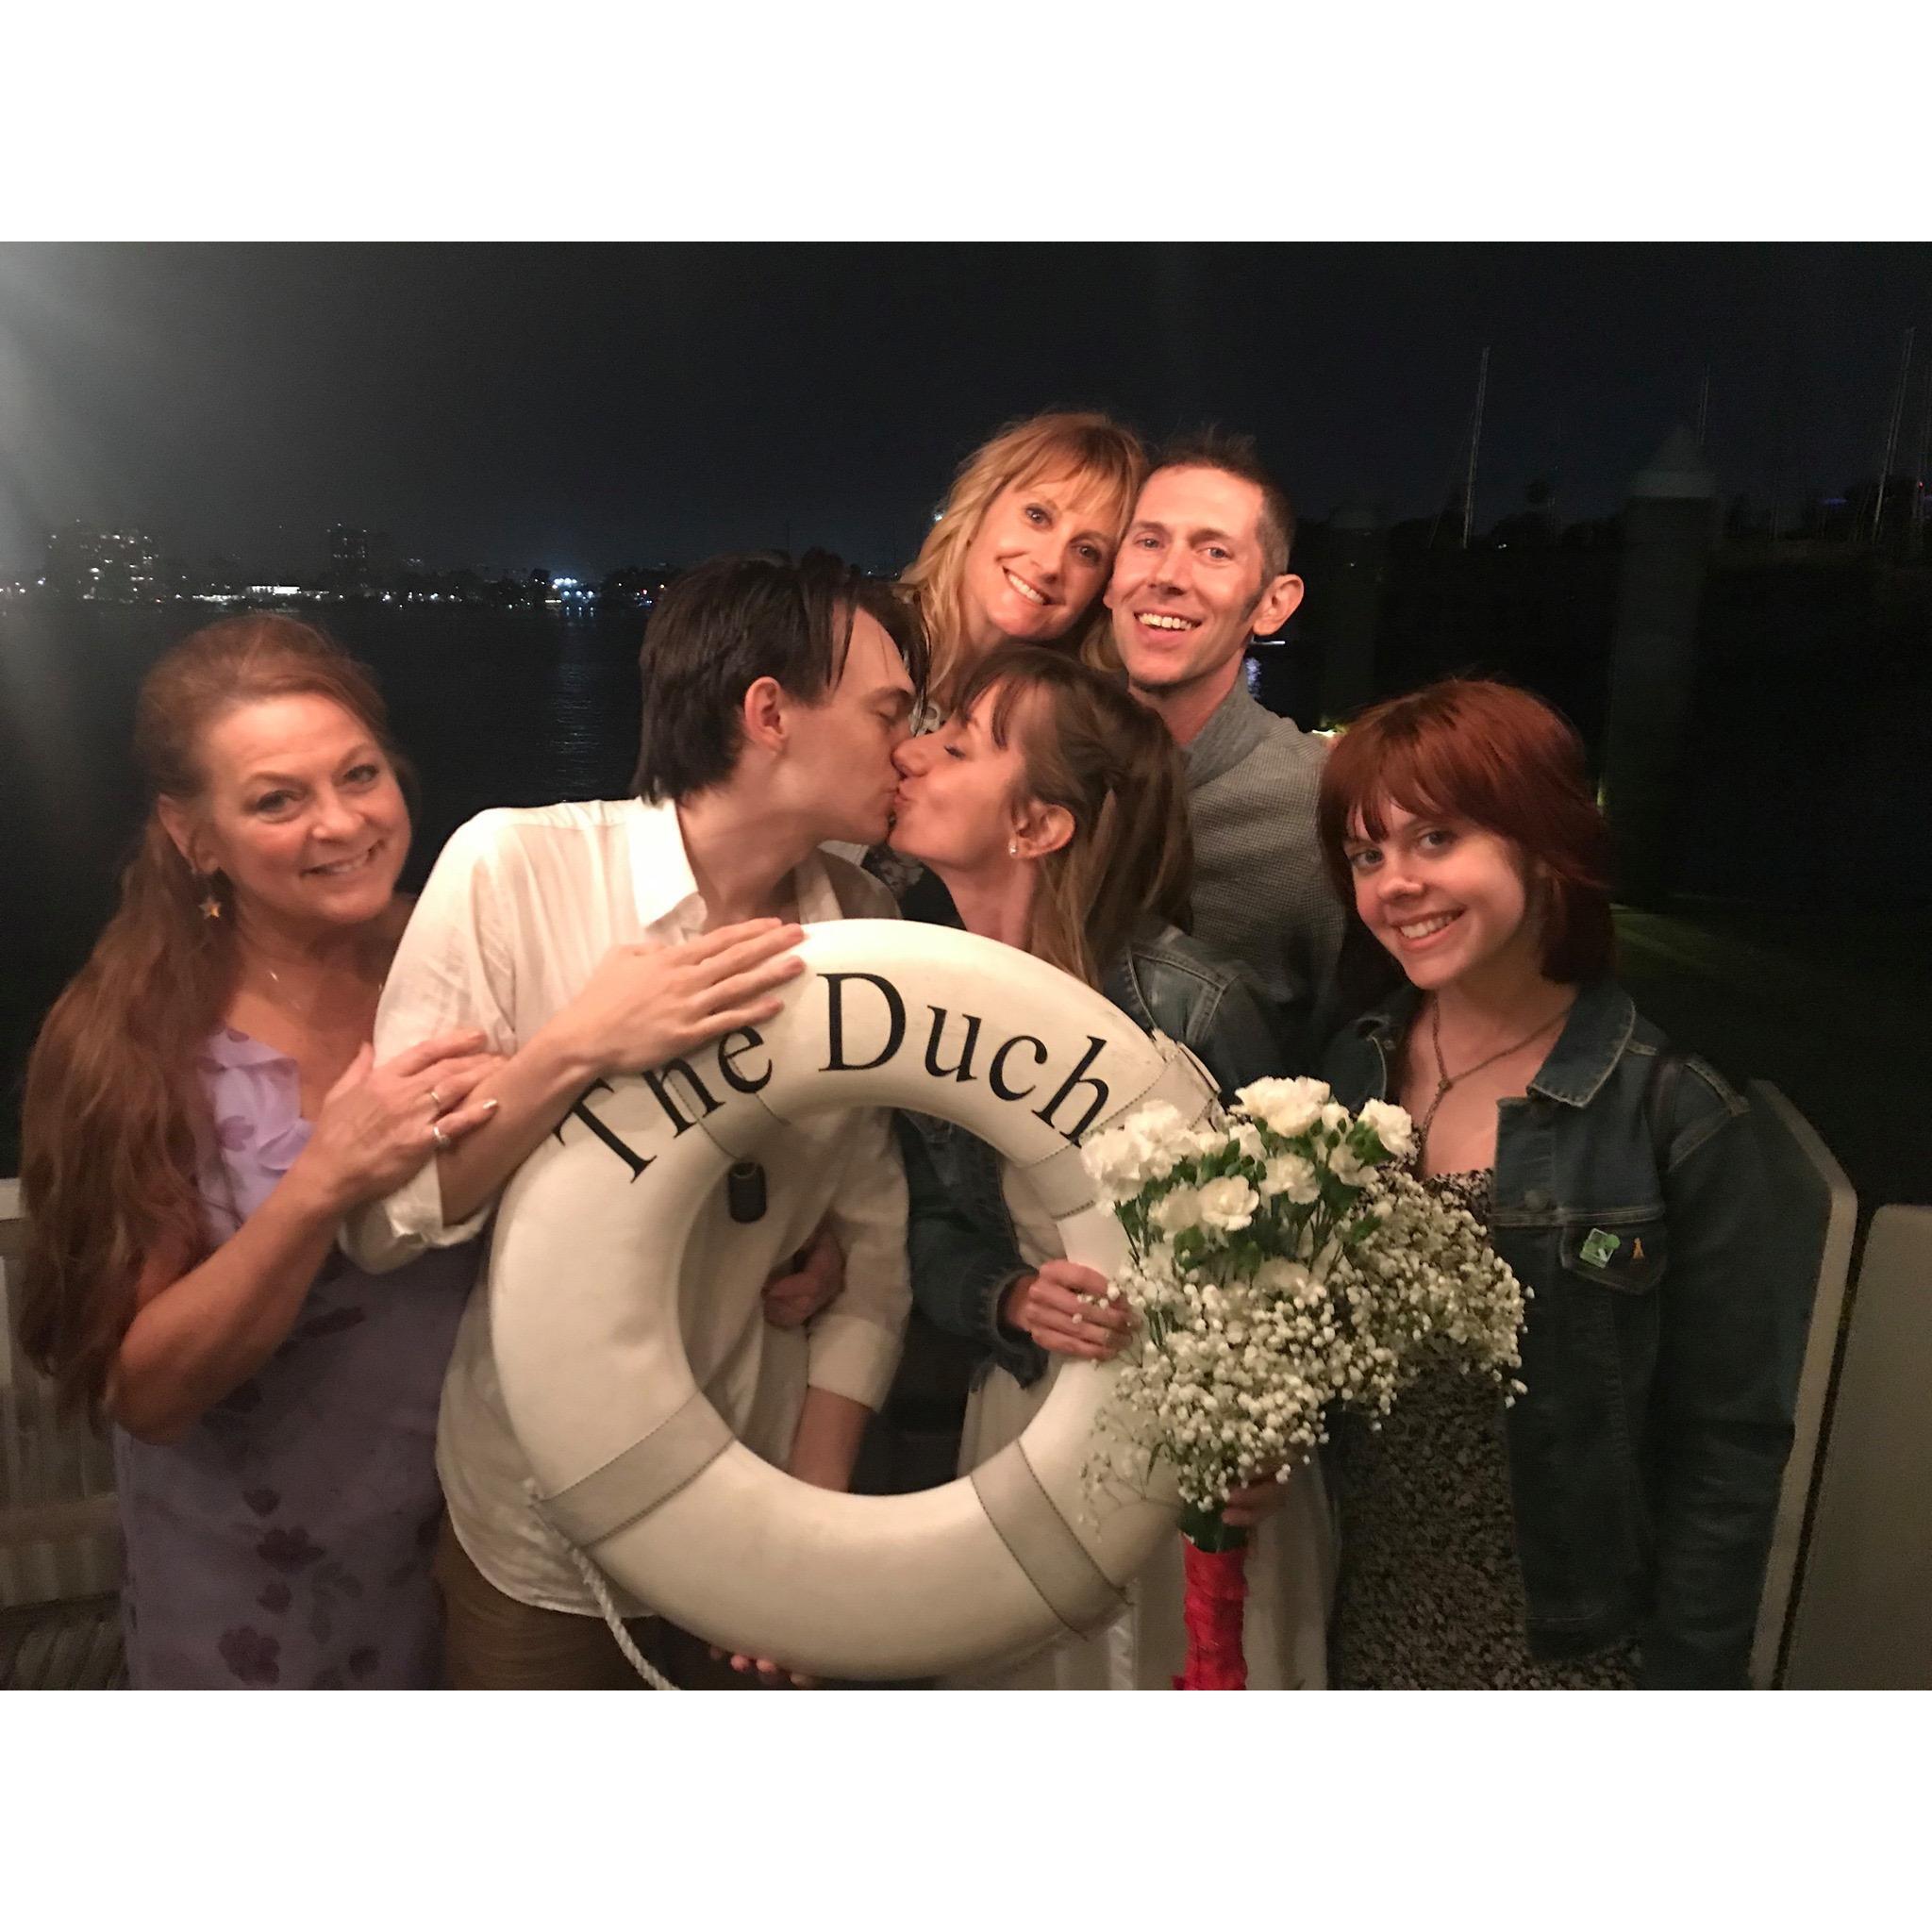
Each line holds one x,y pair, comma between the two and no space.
210,905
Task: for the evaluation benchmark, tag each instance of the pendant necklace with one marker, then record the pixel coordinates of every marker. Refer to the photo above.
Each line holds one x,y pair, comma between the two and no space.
303,1013
1446,1079
282,998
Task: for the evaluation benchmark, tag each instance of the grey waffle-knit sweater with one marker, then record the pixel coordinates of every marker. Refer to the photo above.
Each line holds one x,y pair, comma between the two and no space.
1261,894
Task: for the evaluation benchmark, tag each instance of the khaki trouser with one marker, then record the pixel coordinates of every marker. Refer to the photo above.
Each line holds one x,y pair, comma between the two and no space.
494,1642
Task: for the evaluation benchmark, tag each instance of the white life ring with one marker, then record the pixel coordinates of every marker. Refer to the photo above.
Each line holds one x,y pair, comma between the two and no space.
636,1467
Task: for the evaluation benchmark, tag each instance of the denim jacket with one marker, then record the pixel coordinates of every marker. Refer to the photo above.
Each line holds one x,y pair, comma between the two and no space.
1661,1347
963,1251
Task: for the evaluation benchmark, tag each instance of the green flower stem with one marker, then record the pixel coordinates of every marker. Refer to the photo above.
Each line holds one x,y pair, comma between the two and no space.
1205,1529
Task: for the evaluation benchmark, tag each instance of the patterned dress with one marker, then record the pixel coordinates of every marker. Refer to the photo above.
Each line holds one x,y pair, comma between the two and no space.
1431,1595
285,1541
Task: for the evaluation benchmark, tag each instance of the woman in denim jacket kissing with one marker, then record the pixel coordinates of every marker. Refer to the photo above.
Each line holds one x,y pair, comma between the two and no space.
1054,809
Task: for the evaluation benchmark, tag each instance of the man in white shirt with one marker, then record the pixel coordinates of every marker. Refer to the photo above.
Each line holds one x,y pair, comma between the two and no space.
587,940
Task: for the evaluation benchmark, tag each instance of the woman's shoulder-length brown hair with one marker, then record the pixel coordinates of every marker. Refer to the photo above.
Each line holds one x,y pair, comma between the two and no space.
1498,758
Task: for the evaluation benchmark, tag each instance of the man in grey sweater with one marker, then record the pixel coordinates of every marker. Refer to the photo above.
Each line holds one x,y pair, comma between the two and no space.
1203,569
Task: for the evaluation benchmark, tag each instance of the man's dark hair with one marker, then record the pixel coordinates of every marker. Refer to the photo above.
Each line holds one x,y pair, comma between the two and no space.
1220,449
721,628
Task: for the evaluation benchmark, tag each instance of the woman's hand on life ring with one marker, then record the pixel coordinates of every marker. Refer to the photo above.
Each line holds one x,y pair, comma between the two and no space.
647,1004
379,1124
1064,1309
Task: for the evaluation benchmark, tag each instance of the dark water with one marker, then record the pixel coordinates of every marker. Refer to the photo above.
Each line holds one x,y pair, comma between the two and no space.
1809,786
491,709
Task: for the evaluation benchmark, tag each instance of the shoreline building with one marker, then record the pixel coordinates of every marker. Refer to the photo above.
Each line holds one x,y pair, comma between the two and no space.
103,566
360,562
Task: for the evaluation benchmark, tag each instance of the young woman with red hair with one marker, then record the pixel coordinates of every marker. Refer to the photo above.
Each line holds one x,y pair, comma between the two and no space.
1609,1529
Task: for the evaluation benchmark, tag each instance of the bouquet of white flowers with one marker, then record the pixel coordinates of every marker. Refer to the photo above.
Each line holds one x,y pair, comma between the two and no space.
1281,1262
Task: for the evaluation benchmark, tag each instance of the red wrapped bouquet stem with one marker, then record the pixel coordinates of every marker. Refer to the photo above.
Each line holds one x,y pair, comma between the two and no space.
1215,1562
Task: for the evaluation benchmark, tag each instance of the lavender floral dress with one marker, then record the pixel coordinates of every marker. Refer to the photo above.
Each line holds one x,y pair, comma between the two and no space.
285,1542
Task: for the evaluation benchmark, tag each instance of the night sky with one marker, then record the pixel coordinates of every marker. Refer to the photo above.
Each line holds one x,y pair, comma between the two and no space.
582,406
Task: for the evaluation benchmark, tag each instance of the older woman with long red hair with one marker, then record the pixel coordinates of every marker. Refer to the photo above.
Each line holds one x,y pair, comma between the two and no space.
1611,1528
201,1111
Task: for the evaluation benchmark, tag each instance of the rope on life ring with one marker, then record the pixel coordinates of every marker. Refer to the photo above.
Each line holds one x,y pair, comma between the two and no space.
632,1463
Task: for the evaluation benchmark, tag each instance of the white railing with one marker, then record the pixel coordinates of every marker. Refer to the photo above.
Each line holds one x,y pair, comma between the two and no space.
59,1539
1864,1616
1808,1180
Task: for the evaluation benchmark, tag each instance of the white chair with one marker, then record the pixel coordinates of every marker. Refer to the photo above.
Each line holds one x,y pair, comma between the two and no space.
1803,1174
59,1544
1864,1616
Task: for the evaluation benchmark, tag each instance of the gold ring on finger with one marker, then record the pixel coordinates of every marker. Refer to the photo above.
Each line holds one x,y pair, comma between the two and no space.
436,1100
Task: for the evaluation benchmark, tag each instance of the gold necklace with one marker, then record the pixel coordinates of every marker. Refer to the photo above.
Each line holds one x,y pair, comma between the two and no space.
302,1016
1445,1079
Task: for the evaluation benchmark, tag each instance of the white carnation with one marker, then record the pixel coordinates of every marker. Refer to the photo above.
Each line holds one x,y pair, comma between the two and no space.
1159,1137
1286,1107
1290,1176
1114,1158
1226,1205
1123,1159
1176,1210
1391,1125
1349,1171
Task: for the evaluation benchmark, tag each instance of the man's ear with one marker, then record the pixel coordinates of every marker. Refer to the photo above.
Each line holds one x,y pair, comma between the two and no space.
763,714
179,826
1039,829
1276,605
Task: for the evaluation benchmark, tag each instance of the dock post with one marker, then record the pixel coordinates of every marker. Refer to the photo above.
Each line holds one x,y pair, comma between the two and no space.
1668,525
